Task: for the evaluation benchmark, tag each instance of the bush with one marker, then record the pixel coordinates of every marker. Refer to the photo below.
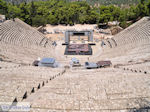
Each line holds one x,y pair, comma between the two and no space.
38,21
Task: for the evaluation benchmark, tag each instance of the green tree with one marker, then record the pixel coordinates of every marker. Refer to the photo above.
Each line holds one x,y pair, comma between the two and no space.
132,13
105,14
38,21
3,7
13,11
141,10
148,5
66,12
24,15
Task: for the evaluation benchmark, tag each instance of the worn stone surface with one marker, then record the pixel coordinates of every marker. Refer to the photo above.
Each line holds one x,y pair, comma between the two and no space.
93,92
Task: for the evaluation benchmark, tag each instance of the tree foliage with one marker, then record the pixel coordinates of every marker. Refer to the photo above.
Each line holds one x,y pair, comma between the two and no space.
55,12
91,2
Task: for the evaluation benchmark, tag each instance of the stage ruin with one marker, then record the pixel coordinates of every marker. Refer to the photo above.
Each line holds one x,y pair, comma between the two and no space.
76,48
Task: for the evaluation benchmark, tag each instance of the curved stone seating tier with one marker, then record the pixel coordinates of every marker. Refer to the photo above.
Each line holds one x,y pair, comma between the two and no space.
15,82
4,64
142,67
96,90
128,52
23,24
136,32
110,44
21,54
19,33
36,34
107,44
8,25
114,41
129,41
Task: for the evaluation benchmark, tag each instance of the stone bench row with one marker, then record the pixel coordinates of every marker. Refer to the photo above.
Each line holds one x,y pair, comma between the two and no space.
23,53
138,32
14,32
19,83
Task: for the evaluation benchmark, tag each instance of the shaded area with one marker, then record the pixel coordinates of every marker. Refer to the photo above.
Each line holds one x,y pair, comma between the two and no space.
143,105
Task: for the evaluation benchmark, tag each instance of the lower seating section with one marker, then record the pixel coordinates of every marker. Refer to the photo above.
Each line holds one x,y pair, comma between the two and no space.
8,65
19,82
107,89
143,67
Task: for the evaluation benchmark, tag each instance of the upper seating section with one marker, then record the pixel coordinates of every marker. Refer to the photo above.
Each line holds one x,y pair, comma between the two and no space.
19,33
21,43
139,33
132,42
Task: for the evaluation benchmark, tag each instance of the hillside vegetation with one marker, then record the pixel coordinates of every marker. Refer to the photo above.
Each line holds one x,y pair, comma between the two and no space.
62,12
115,2
92,2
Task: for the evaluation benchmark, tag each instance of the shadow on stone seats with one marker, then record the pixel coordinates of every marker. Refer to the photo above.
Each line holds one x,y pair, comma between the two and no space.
144,106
